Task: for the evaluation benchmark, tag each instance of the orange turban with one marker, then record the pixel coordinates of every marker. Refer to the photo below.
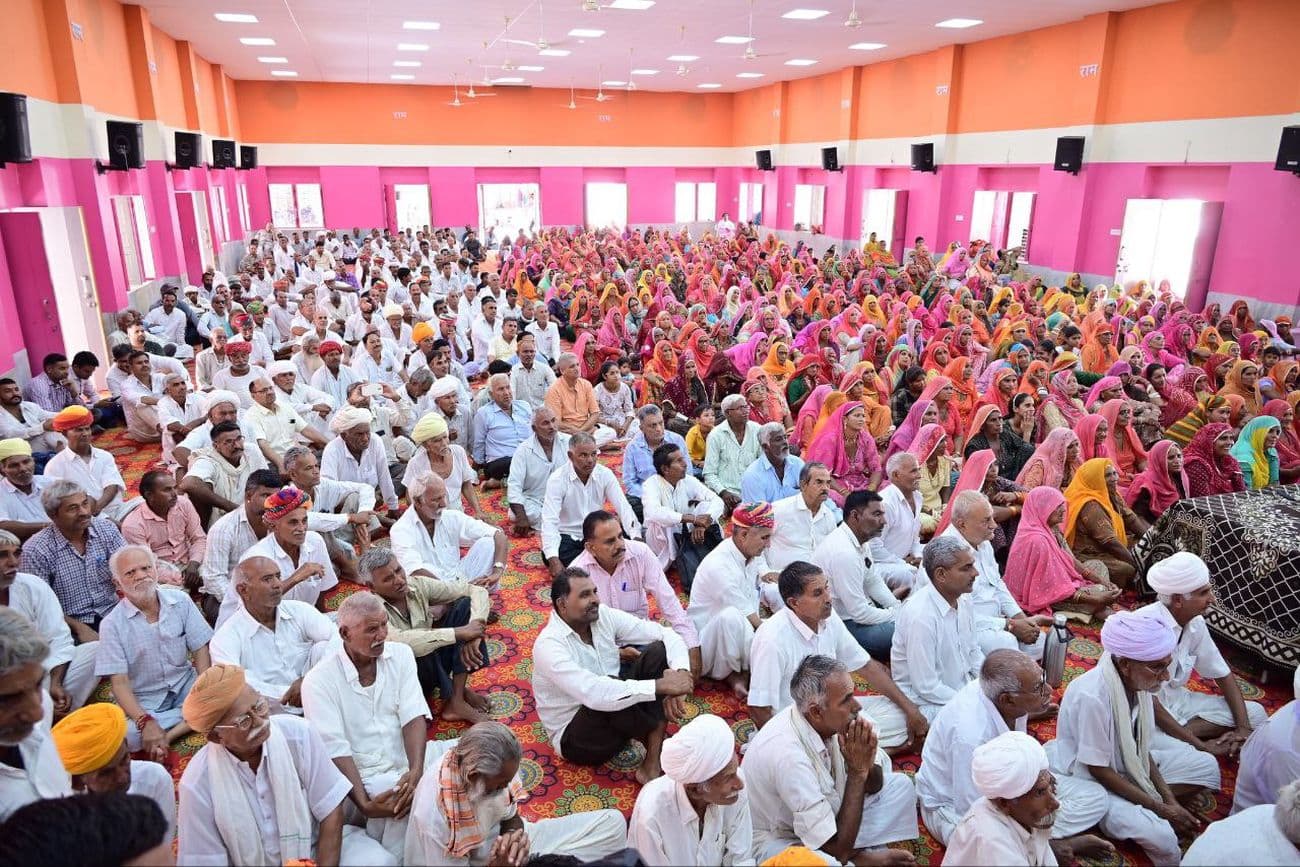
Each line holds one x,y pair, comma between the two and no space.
73,416
796,856
89,738
421,331
211,696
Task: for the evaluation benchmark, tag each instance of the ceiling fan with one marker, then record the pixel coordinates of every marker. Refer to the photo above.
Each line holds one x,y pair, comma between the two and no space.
601,95
573,103
855,21
542,43
750,53
455,90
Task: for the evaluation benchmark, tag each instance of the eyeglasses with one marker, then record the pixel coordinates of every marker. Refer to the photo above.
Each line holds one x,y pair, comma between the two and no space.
1041,688
244,723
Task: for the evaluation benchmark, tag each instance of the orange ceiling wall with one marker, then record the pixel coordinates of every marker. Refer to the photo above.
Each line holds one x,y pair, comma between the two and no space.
813,109
897,98
755,116
167,81
206,97
28,66
103,58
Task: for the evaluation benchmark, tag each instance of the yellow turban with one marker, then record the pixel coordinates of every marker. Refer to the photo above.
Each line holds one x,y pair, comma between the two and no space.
89,738
429,426
11,447
421,331
211,696
73,416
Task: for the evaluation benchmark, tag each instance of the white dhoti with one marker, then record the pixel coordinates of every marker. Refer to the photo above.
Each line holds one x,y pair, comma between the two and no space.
1083,804
724,643
1125,820
478,560
79,680
358,849
999,639
896,575
390,834
603,435
1185,705
142,424
889,816
586,836
1183,764
891,725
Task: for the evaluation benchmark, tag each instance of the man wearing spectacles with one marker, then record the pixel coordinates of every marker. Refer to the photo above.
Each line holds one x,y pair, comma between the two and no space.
1011,688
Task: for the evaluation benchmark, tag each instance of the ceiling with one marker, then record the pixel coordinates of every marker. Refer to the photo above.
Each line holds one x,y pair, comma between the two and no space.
357,40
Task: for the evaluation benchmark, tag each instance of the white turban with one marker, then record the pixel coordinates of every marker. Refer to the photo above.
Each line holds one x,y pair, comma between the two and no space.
732,400
391,310
1138,635
1007,766
444,386
699,750
279,368
1182,573
349,417
221,396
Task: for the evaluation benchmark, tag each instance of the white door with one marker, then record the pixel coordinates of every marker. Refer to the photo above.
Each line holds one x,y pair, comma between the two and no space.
203,226
412,206
606,205
509,209
1022,212
75,296
1157,242
878,209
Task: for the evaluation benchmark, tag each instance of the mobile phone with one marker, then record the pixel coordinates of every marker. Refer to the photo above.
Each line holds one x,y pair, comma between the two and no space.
372,389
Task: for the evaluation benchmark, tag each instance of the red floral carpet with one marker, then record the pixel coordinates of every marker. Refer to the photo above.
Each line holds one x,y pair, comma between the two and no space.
557,788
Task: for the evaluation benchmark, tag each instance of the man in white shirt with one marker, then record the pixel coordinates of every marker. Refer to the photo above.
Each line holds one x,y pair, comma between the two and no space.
333,377
30,768
1273,832
860,595
428,538
681,515
484,330
167,323
1010,688
896,552
93,469
547,334
531,377
179,413
573,492
275,640
803,520
697,812
21,512
935,652
22,419
530,469
588,707
237,377
998,619
1271,758
816,776
357,454
276,424
211,360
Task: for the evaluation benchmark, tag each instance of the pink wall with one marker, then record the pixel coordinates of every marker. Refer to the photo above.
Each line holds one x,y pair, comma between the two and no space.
37,326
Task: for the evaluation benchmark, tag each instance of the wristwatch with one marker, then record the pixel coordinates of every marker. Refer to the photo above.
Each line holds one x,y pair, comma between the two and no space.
498,565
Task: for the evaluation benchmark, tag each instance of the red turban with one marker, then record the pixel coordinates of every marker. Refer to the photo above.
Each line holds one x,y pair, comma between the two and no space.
330,346
759,515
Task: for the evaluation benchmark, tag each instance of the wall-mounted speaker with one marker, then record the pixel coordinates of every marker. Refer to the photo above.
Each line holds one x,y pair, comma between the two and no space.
763,159
1069,154
15,139
125,145
831,159
189,150
247,157
223,154
1288,150
923,157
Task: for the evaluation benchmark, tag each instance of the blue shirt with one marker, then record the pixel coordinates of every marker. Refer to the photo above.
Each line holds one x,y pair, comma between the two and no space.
497,434
638,460
759,484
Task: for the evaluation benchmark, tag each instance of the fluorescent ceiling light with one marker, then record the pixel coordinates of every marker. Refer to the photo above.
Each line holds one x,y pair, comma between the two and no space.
397,77
733,40
531,68
749,75
257,40
555,52
272,60
800,61
408,63
412,46
613,83
420,25
510,79
284,73
235,17
958,23
645,72
683,58
585,33
709,86
806,14
638,5
867,46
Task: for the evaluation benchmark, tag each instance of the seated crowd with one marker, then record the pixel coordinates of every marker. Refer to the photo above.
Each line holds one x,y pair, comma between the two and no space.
844,465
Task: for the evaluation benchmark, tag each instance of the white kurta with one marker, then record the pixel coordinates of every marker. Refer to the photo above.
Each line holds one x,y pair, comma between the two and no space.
724,595
42,777
529,471
439,553
272,661
33,598
663,506
858,591
667,831
991,603
313,550
1251,837
798,531
152,780
986,835
901,537
934,652
1270,759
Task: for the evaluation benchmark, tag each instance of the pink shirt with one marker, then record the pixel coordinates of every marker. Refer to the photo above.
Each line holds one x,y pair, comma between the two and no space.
637,574
178,538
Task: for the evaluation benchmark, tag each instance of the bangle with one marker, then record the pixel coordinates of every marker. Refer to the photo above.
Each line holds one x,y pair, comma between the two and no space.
143,720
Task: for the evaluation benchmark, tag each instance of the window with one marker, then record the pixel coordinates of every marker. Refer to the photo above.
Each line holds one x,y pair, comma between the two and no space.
809,207
1158,242
696,202
296,206
133,237
241,194
751,202
879,212
412,203
222,212
1002,219
606,205
505,210
1022,211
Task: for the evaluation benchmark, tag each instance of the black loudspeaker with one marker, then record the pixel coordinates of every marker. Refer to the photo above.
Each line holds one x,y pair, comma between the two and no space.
763,159
125,144
1069,154
189,150
223,154
1288,150
831,159
923,157
247,157
15,140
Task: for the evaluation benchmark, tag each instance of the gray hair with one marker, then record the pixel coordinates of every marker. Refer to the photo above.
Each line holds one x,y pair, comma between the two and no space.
999,673
1286,812
375,558
733,400
217,328
486,750
581,438
808,685
421,376
769,430
125,550
292,455
498,377
565,357
647,411
20,642
941,552
806,473
53,494
965,503
896,461
421,483
358,606
9,540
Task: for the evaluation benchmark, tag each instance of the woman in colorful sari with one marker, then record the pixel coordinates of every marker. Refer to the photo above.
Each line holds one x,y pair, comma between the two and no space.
922,413
940,391
1099,525
1104,389
591,356
1256,451
1036,376
980,473
908,388
1288,443
684,394
848,450
1092,432
809,414
935,483
1053,463
1216,369
1211,408
1175,401
660,370
1242,380
1062,408
750,353
809,372
1160,485
1042,572
722,378
862,384
1211,469
778,365
1123,446
774,405
613,332
1099,351
990,431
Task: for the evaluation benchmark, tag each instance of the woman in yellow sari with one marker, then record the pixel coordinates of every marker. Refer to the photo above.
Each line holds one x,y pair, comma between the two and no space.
778,366
861,384
873,312
1099,525
1243,381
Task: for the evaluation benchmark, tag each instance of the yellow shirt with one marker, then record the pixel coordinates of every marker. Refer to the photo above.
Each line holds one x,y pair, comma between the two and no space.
695,444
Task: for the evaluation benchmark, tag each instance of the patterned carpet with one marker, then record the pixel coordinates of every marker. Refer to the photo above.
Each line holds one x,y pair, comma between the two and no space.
557,788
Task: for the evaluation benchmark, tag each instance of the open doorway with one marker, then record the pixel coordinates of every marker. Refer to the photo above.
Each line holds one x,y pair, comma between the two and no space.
1169,239
606,205
884,213
505,210
412,206
1002,218
751,202
196,232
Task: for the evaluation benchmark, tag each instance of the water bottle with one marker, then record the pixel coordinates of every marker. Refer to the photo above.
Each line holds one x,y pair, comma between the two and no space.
1058,640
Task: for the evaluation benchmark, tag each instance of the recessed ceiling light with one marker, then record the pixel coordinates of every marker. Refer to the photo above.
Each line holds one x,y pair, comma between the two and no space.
709,86
638,5
412,46
958,23
272,60
235,17
866,46
733,40
400,77
645,72
749,75
531,68
554,52
613,83
585,33
683,58
510,79
420,25
284,73
408,63
257,40
800,61
806,14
